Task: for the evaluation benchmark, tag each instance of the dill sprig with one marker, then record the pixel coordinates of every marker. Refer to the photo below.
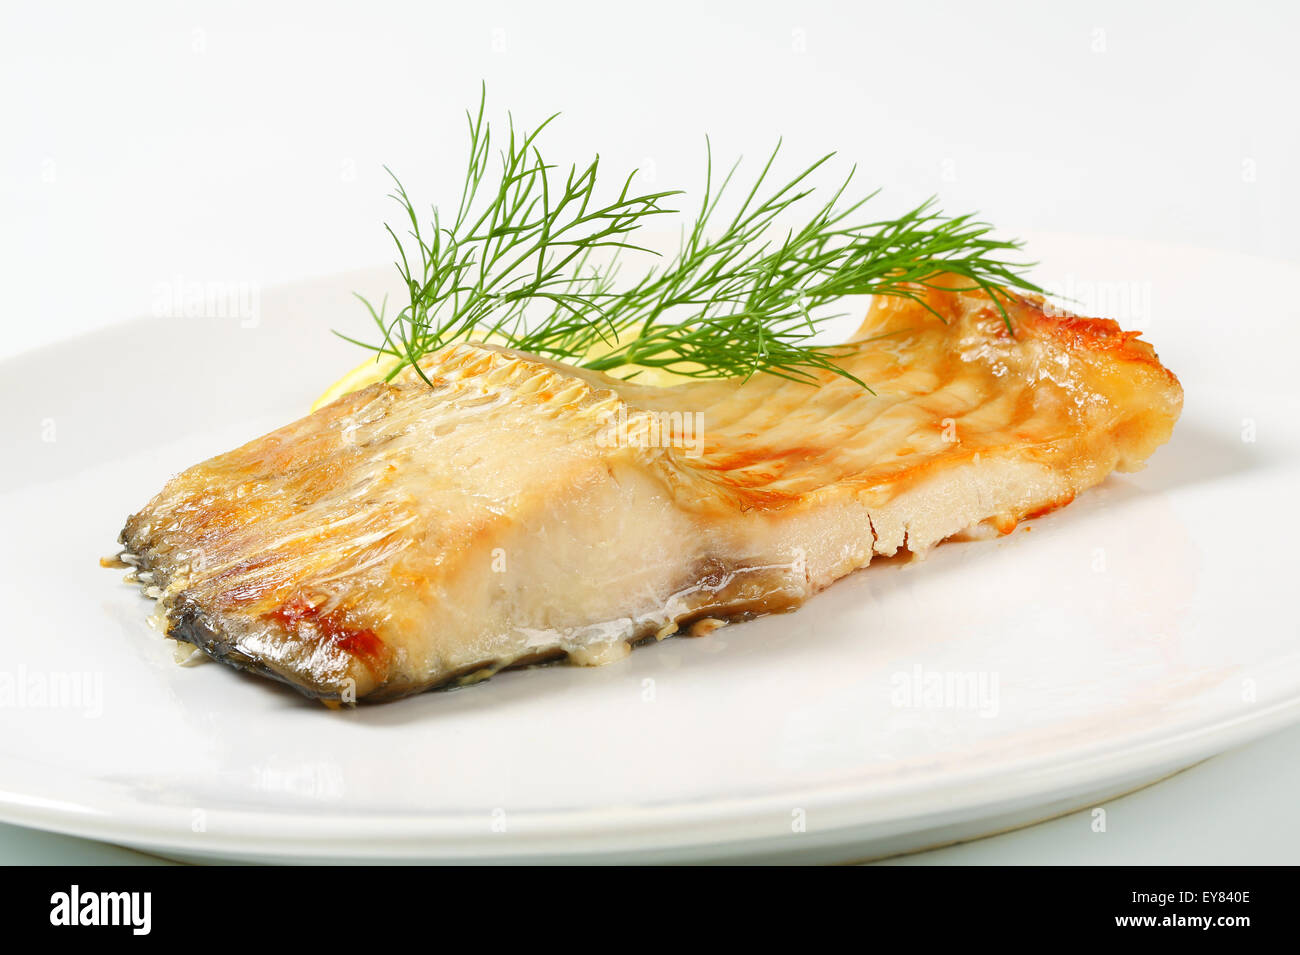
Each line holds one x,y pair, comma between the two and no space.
743,294
739,303
516,239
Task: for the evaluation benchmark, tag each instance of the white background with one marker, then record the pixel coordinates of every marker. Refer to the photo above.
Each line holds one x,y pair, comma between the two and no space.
146,145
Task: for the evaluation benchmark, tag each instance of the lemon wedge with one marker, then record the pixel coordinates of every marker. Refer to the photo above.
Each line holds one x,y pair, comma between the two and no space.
372,370
367,373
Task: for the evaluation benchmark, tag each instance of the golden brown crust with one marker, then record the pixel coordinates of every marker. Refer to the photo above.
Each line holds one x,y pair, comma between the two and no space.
356,550
944,374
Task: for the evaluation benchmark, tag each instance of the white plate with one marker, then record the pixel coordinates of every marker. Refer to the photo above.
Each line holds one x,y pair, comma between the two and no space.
1146,626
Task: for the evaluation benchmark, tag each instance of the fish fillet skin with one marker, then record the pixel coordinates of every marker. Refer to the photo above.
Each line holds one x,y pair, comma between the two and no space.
519,510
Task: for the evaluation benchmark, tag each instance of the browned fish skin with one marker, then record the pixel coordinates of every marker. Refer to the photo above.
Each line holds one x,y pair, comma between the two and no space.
405,537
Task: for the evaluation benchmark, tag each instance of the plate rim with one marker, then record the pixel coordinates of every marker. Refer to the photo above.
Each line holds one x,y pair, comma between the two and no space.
678,829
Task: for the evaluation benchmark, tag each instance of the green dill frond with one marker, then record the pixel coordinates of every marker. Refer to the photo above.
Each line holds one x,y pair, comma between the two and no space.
745,293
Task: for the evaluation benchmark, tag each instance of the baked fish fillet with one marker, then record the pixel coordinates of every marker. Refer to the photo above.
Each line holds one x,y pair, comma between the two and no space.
519,510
